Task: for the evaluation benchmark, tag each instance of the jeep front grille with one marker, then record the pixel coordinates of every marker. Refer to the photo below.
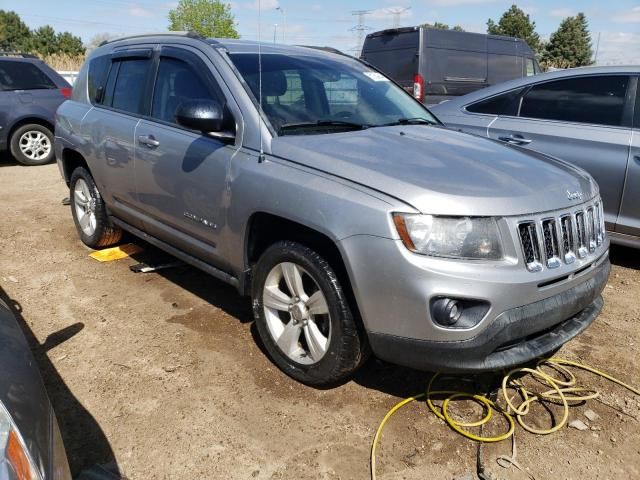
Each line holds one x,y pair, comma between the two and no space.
530,246
553,240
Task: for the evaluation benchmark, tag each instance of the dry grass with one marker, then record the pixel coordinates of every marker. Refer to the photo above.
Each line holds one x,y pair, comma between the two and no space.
62,62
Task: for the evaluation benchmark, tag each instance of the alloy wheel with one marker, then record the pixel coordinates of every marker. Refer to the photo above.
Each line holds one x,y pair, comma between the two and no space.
34,145
85,205
297,314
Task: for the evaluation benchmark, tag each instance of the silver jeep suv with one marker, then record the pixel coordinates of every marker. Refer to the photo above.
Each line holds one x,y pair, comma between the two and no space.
356,222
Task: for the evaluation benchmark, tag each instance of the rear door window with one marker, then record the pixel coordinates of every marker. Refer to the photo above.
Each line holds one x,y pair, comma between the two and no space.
130,85
598,100
23,76
506,104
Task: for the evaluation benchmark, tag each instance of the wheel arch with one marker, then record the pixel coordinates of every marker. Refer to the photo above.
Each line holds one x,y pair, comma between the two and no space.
70,160
29,120
264,229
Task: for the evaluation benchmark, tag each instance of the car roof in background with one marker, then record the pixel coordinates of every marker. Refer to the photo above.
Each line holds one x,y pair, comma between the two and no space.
523,82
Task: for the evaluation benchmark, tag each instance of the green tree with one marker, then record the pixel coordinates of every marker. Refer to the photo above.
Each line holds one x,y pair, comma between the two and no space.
570,45
44,40
515,23
14,34
69,44
443,26
209,18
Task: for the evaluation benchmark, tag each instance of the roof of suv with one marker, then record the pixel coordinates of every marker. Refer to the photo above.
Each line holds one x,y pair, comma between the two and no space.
231,45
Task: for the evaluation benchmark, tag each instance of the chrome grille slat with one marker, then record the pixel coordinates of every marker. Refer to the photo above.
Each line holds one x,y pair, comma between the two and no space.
530,246
591,230
550,241
581,235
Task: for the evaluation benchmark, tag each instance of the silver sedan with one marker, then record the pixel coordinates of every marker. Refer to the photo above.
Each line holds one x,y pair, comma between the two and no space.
589,117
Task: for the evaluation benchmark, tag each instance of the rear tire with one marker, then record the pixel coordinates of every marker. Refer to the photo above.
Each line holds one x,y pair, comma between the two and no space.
303,316
32,144
89,212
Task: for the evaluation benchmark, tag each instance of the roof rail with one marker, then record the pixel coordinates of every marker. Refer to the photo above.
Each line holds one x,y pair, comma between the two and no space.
17,54
155,34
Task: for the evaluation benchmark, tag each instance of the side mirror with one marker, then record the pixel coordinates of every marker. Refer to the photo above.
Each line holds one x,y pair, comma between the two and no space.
203,115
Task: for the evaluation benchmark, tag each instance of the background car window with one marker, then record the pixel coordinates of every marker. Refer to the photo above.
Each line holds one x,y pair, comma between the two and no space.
130,84
505,104
503,68
23,76
176,82
530,67
597,100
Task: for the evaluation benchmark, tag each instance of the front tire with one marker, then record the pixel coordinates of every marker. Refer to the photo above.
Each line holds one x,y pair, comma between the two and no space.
32,144
303,316
89,212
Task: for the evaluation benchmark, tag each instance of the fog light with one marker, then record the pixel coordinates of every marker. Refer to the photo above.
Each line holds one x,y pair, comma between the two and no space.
457,313
447,311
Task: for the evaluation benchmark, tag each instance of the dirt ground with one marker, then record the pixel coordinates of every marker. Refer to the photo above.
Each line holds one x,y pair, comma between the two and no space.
160,376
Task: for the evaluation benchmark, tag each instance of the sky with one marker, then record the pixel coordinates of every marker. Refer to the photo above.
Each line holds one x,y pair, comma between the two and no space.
614,24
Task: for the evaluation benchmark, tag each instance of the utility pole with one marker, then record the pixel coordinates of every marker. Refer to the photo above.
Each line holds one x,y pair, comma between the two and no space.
284,21
397,13
595,57
360,28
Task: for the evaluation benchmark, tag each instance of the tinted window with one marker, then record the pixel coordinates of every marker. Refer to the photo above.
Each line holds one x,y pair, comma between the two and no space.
23,76
596,100
129,85
176,82
505,104
504,67
98,69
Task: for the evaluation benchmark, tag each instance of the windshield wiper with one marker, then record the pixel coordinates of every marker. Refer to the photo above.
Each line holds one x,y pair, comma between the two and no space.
409,121
322,123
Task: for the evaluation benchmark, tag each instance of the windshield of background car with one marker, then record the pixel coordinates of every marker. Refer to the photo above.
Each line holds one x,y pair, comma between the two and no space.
313,94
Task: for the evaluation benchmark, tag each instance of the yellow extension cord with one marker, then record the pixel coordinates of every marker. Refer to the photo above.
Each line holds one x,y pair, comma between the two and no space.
562,390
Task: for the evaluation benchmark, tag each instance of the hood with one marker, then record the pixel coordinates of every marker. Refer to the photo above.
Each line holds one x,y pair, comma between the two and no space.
442,171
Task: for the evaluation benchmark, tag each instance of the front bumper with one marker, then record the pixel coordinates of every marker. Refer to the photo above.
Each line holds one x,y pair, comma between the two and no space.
515,337
530,314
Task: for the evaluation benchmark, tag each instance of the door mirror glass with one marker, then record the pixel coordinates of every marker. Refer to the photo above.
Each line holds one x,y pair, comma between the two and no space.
206,116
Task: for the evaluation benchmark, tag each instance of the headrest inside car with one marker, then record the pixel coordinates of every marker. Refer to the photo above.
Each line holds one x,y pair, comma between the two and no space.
274,84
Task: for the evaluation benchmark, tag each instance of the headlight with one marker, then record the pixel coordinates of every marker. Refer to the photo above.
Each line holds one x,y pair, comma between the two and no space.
15,461
454,237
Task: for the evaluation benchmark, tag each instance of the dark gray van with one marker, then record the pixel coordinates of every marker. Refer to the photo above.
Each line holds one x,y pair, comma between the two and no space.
435,65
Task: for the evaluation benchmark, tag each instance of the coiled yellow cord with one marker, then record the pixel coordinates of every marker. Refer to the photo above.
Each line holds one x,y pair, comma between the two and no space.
562,390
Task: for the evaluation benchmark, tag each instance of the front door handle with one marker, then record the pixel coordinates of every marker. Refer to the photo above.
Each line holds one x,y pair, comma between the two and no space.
148,140
516,140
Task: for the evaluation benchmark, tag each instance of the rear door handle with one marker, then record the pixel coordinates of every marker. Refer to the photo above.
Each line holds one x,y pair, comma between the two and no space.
515,140
148,140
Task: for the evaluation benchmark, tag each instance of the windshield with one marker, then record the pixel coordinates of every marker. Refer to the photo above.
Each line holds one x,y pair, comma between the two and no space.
309,94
